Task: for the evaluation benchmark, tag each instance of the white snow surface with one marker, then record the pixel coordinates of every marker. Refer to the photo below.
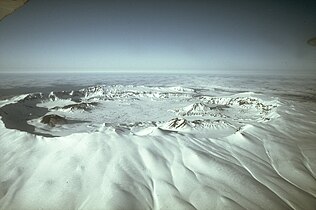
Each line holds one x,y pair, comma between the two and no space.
163,147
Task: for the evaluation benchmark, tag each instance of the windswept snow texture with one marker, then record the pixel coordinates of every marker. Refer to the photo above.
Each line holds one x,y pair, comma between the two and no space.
161,142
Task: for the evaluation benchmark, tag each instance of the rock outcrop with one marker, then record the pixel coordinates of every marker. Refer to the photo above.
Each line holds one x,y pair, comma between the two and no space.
53,119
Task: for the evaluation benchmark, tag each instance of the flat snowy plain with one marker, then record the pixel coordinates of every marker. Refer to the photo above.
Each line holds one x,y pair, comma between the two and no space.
157,142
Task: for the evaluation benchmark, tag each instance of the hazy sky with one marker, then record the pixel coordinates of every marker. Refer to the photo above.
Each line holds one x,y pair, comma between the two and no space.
188,35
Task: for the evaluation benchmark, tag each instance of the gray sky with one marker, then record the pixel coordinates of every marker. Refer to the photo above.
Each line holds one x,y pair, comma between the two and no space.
178,35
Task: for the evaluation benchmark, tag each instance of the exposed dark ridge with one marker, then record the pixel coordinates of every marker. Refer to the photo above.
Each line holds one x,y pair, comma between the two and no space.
80,106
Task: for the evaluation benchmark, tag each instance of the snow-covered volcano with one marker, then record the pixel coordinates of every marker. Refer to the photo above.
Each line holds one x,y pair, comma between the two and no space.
88,109
156,147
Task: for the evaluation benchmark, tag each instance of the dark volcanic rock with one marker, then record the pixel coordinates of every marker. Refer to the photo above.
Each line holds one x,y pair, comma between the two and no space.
80,106
177,123
83,106
32,97
53,119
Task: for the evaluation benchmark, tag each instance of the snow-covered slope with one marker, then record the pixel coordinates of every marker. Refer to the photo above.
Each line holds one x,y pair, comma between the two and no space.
141,147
